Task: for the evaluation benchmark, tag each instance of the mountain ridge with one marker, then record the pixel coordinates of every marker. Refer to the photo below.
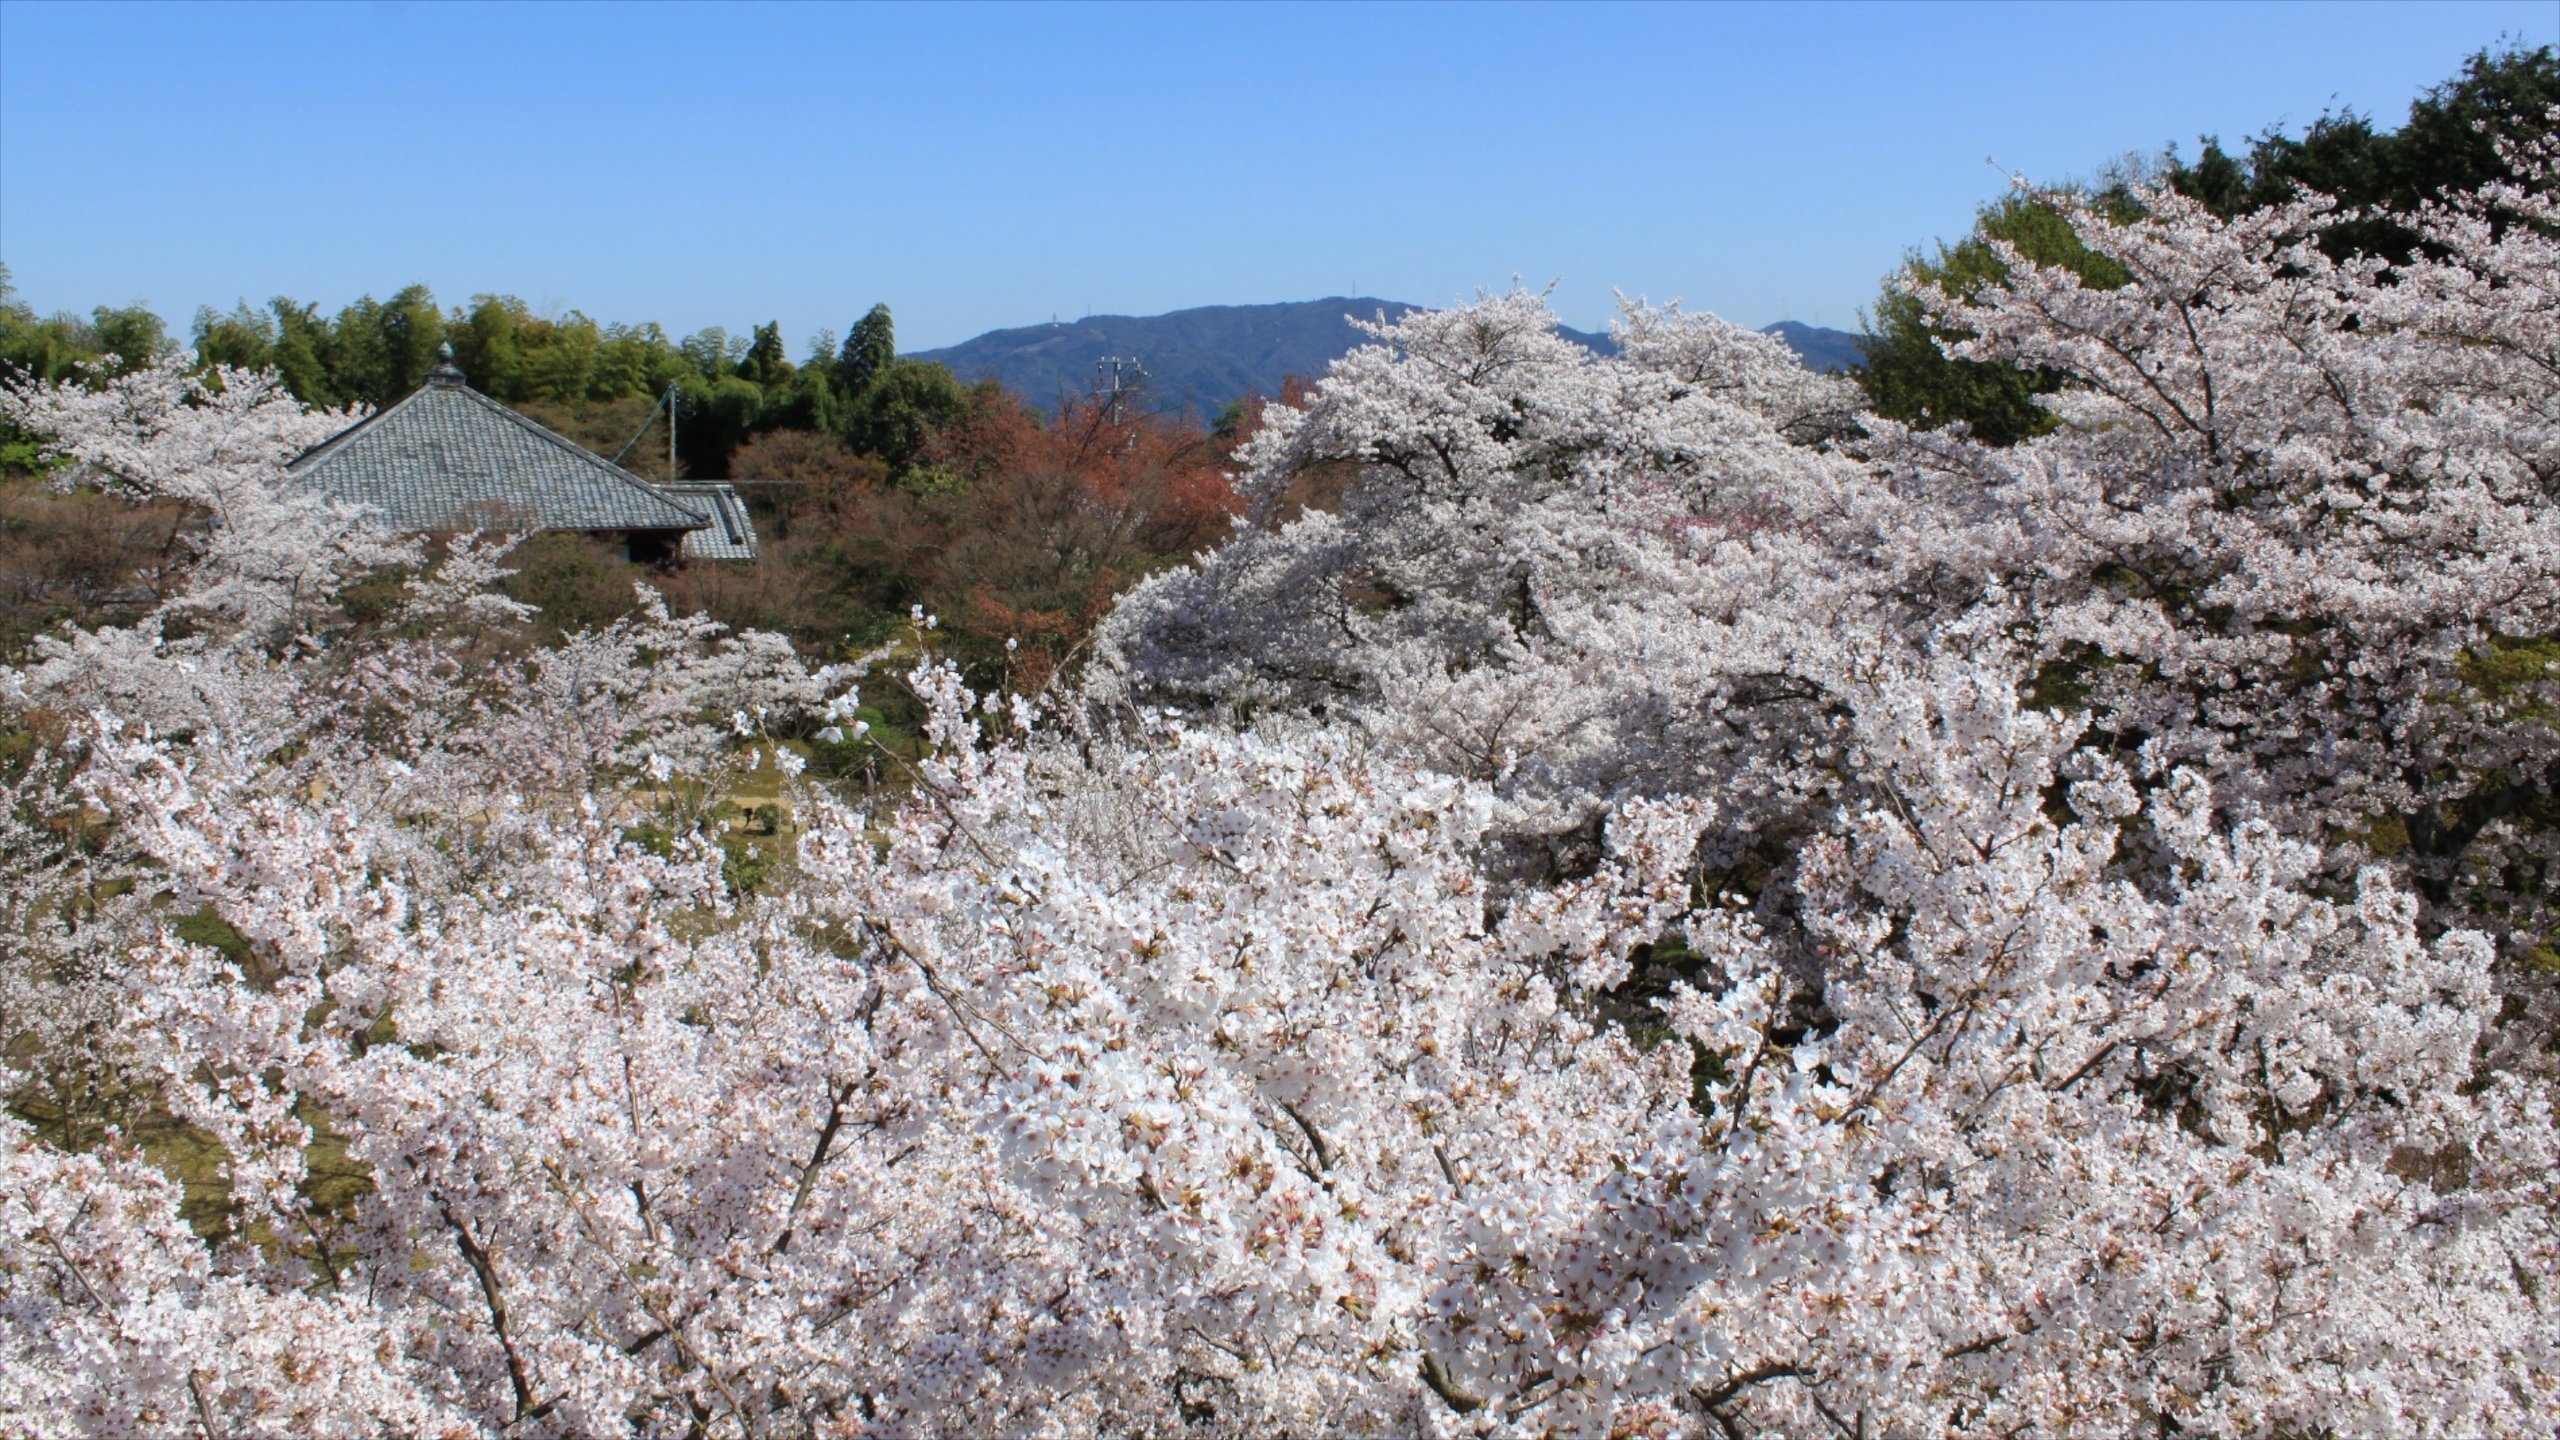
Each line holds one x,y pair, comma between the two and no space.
1203,358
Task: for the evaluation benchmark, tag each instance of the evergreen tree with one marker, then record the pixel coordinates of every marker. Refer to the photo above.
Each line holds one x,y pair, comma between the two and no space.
132,334
243,339
1907,377
767,364
488,348
44,350
301,350
868,353
412,333
563,367
636,360
716,417
2450,142
903,409
359,362
711,351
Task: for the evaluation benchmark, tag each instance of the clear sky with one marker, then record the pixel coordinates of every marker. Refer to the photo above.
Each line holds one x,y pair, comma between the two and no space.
979,166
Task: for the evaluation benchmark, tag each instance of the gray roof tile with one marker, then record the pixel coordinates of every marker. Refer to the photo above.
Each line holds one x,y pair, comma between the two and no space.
731,535
451,458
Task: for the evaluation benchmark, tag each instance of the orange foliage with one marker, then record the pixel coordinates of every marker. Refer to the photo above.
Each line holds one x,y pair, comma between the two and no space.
1011,527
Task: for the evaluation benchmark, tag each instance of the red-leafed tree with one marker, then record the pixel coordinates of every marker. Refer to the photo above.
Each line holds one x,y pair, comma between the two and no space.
1014,527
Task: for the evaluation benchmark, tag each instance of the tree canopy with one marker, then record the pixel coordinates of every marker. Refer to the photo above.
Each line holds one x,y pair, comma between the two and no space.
566,368
2458,136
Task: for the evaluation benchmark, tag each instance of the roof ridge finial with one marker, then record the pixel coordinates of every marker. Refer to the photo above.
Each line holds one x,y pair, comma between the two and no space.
446,372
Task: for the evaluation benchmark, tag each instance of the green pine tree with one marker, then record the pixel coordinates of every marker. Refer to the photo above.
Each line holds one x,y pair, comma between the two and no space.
1909,378
869,350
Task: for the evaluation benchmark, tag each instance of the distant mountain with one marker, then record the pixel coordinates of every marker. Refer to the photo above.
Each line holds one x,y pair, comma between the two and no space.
1819,348
1200,360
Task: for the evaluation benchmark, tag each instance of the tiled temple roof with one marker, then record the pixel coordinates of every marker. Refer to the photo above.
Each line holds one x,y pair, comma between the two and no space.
731,535
450,458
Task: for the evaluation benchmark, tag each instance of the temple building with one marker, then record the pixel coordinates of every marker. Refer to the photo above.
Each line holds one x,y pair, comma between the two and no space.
447,458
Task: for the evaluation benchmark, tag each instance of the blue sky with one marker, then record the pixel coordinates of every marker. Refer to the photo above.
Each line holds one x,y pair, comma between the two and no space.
987,165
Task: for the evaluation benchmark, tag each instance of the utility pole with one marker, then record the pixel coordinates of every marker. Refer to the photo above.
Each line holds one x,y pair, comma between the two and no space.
1115,376
671,432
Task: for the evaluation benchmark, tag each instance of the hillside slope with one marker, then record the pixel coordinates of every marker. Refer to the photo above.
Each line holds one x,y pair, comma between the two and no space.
1201,359
1818,347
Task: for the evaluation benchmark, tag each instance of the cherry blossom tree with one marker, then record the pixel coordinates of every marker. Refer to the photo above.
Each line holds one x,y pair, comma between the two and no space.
2296,532
1575,577
1188,1084
1676,911
218,441
2298,528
